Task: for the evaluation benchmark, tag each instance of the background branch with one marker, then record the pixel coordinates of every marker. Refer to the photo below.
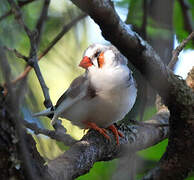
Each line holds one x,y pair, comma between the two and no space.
20,4
17,53
178,49
11,110
145,19
186,15
64,30
33,60
41,20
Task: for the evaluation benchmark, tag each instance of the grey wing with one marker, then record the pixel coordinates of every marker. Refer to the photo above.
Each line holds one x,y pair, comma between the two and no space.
77,91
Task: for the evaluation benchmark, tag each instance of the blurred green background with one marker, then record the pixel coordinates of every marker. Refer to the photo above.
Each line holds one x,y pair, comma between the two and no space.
59,66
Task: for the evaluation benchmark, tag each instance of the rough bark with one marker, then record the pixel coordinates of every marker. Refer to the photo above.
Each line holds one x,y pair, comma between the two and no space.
80,158
19,156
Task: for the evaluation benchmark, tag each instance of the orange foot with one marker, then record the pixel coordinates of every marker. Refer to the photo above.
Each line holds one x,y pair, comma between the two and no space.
116,133
103,131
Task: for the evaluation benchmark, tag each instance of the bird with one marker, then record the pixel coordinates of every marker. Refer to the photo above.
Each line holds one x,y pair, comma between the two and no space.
100,97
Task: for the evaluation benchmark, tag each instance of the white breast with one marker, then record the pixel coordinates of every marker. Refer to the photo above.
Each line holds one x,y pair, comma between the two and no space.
110,107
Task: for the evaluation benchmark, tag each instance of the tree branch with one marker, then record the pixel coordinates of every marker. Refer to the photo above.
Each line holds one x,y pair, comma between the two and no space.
178,49
186,16
64,30
18,17
58,135
157,172
18,137
20,4
92,148
33,60
17,53
41,20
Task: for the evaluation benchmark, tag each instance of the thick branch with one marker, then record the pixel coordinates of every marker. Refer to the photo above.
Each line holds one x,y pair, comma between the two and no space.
182,162
92,148
140,54
176,95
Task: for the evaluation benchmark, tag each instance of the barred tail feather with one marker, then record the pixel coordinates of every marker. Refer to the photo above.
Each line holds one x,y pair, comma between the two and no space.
46,112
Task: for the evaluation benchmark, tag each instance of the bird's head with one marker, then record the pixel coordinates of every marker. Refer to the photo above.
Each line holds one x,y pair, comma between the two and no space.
101,56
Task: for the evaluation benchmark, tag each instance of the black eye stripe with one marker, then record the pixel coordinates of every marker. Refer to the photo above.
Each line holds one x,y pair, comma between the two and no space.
97,54
98,61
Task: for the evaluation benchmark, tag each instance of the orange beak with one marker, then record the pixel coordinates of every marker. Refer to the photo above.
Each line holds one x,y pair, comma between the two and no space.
85,62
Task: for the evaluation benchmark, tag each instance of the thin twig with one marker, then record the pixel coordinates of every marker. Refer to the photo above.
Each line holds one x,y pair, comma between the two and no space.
64,30
5,15
45,89
178,49
22,75
18,16
33,60
41,20
34,38
20,4
17,53
58,135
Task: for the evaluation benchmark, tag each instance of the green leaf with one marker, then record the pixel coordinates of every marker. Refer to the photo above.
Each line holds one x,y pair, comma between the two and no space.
135,13
100,170
154,152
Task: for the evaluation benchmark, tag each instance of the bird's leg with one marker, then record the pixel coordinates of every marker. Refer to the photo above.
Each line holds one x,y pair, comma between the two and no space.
102,131
116,133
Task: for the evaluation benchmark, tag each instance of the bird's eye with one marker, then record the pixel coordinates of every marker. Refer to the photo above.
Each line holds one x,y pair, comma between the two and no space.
97,54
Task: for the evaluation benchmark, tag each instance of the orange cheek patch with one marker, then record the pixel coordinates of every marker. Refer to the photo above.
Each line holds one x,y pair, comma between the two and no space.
101,60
